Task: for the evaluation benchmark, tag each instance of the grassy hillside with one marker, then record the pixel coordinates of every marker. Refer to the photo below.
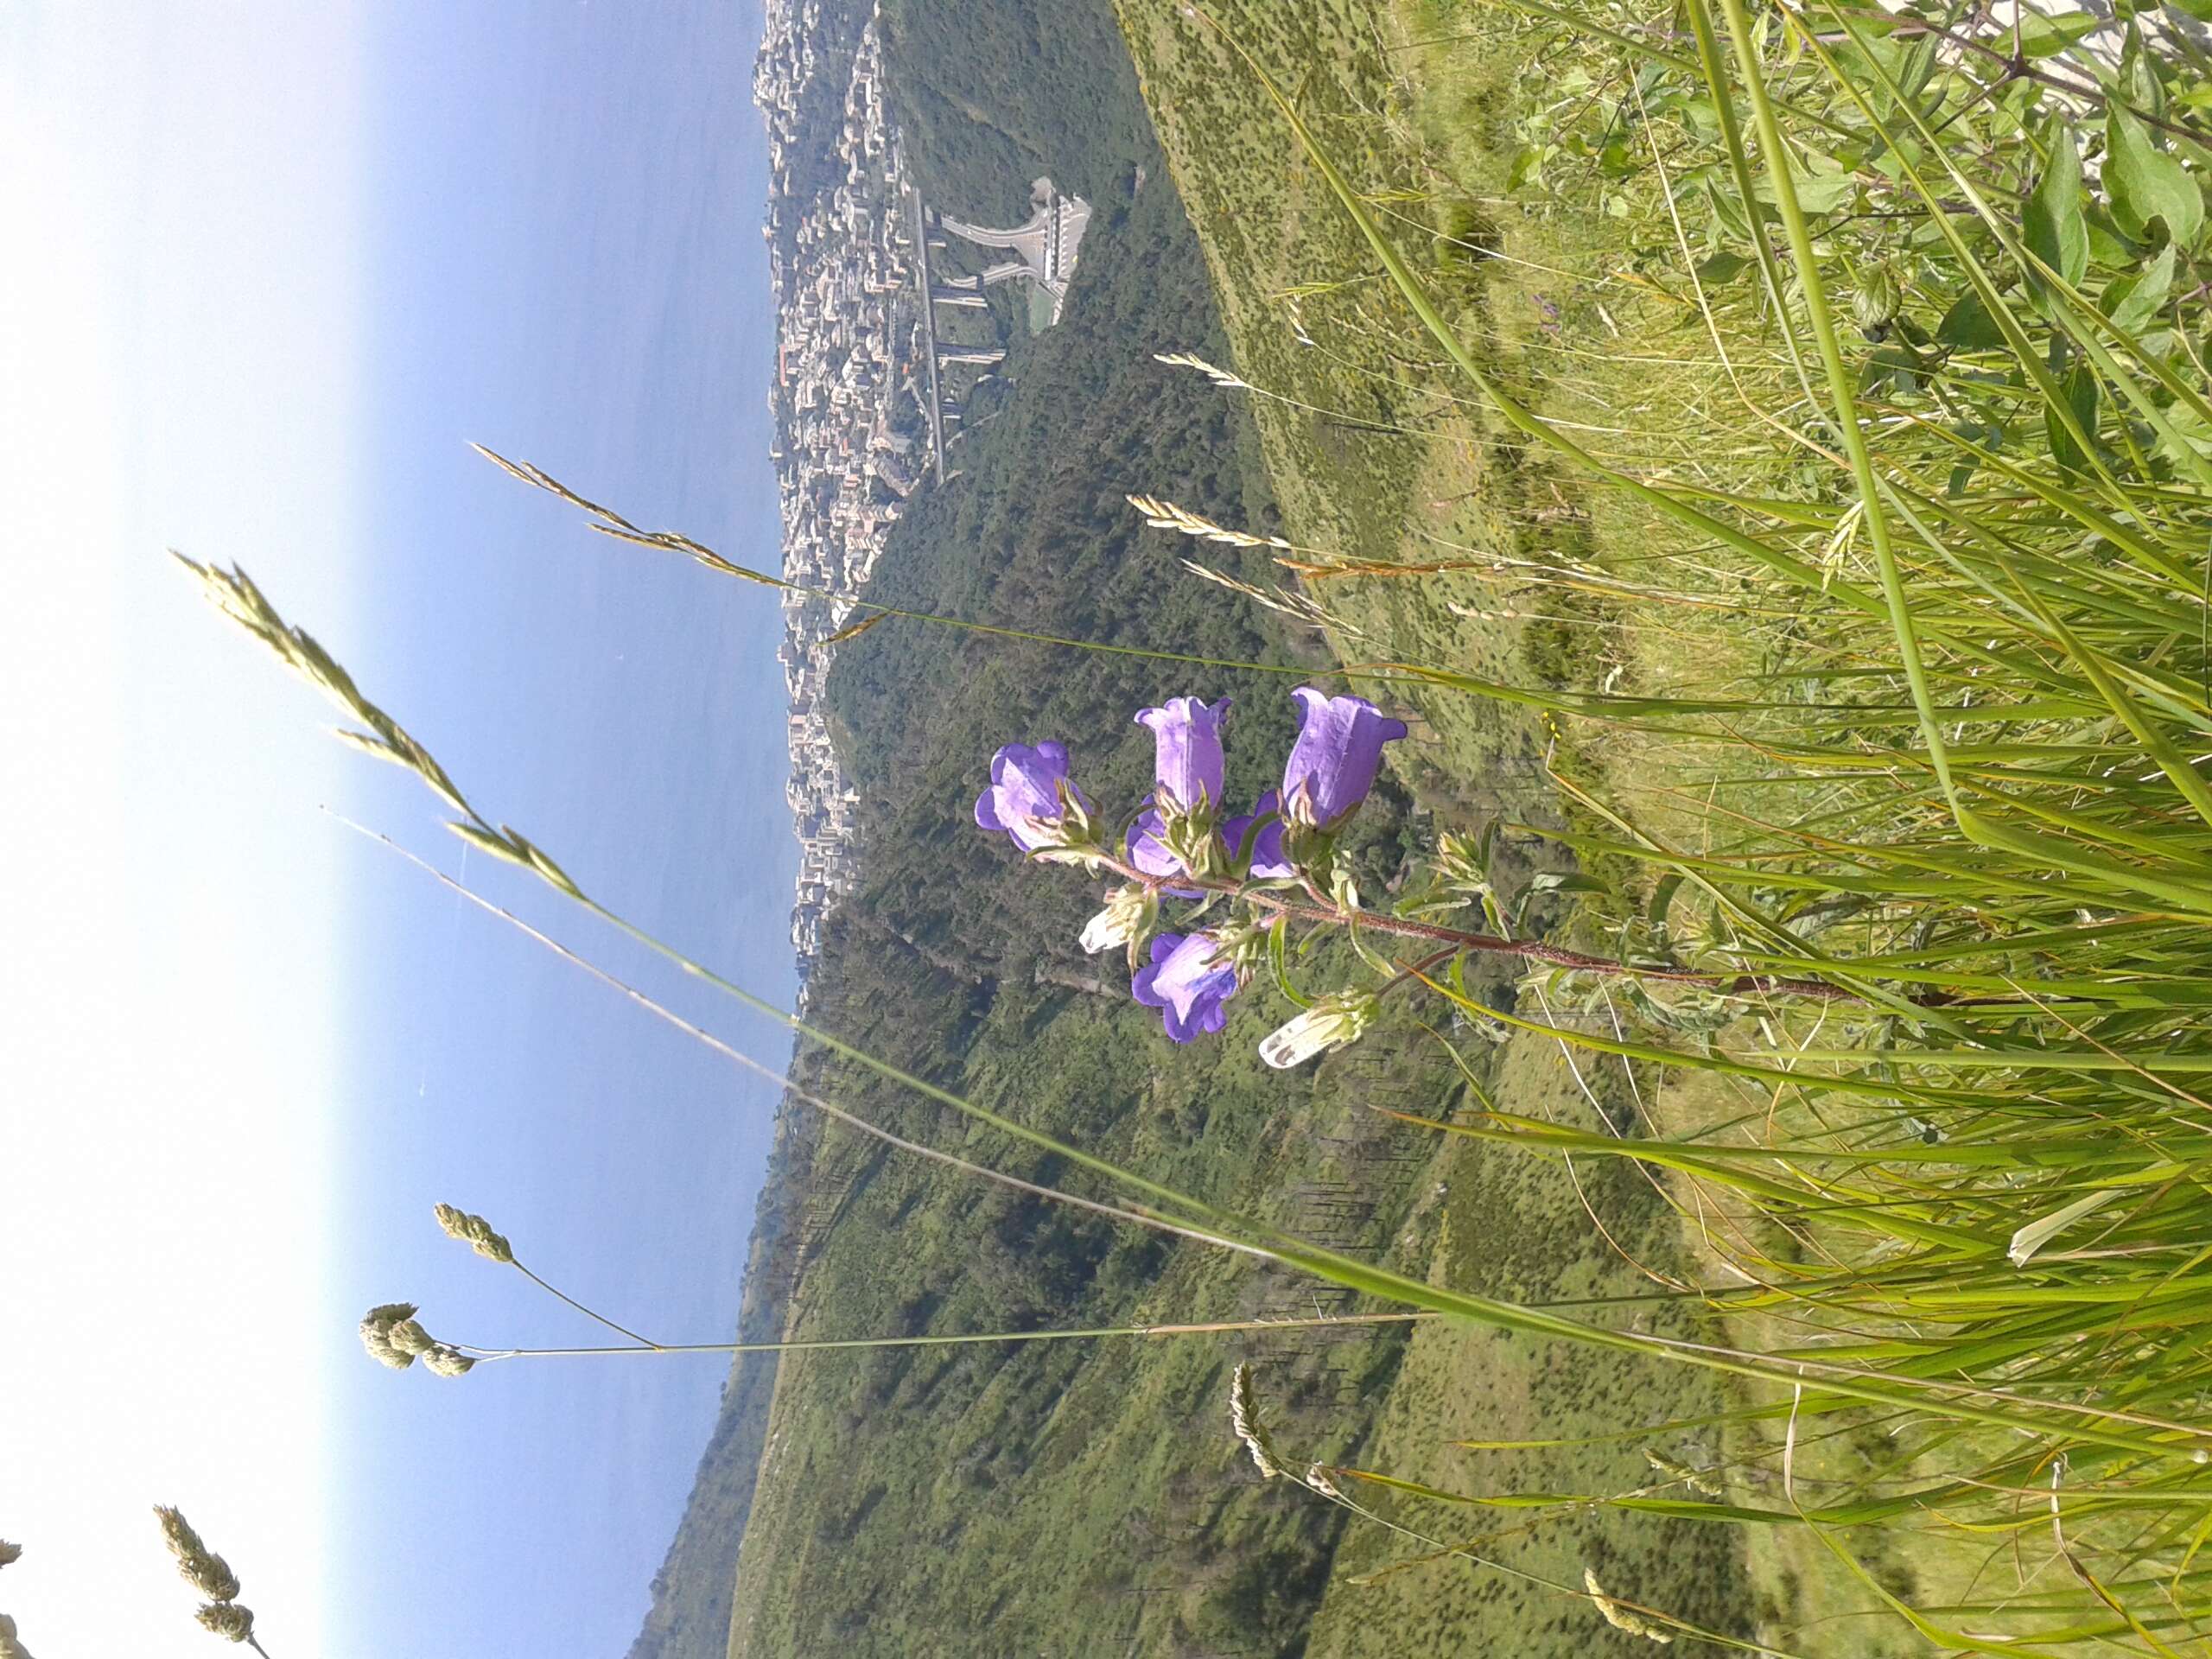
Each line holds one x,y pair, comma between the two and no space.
1384,472
1841,502
692,1593
1090,1500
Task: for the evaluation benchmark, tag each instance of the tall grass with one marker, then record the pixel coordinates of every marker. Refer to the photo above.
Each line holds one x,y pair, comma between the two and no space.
1935,497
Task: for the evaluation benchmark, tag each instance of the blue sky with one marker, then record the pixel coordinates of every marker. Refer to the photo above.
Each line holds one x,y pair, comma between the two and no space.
290,261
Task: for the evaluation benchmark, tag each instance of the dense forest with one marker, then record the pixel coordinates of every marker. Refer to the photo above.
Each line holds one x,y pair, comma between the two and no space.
991,95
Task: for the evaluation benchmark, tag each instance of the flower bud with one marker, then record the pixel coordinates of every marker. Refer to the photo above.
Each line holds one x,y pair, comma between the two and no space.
1129,915
1332,1022
1875,298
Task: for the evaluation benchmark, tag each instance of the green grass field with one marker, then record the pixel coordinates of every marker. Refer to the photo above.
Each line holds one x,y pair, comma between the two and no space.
1380,461
1395,471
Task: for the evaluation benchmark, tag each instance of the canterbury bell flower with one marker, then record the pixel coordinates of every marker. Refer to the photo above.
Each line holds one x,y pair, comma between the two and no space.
1032,801
1333,763
1187,759
1190,981
1332,1023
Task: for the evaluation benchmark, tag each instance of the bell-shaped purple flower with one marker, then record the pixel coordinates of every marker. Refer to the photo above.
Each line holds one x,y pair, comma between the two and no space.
1024,799
1332,765
1184,981
1148,851
1186,736
1268,861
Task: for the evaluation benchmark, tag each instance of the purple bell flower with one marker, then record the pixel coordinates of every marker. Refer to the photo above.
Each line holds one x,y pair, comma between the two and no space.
1187,764
1148,852
1268,861
1024,799
1332,765
1185,984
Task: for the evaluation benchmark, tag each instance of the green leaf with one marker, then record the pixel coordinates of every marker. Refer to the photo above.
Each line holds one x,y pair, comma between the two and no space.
1717,271
2140,83
2146,184
1919,66
1280,968
2081,390
1967,326
2191,430
2045,36
2132,301
2052,225
2108,244
1823,184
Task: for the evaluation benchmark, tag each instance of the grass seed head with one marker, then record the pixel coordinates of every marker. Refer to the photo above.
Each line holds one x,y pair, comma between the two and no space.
376,1334
10,1647
9,1553
211,1575
1244,1418
178,1533
203,1569
1623,1618
444,1361
227,1619
475,1232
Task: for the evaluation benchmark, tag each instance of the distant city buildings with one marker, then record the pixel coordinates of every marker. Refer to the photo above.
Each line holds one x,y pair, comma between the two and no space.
858,397
846,341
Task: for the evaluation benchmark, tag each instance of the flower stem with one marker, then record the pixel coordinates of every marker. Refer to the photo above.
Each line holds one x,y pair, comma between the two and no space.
1458,940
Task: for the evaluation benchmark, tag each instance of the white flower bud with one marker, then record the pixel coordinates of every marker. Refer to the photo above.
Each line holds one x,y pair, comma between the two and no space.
1129,915
1331,1023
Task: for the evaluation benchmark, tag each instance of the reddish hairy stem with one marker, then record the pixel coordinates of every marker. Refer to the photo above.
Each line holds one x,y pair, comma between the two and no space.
1497,945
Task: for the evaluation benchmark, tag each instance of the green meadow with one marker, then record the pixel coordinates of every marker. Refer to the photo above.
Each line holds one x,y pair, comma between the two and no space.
1538,416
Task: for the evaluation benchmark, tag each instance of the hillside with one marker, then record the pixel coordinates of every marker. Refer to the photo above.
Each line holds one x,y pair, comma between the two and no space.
1087,1498
964,965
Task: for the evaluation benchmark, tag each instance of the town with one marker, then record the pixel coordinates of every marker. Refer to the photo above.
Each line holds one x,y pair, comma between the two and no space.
869,386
